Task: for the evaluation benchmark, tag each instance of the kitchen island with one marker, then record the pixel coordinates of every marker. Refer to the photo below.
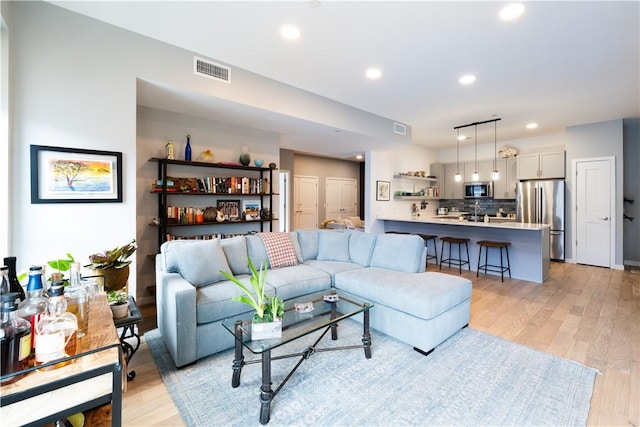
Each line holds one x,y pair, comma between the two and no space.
528,253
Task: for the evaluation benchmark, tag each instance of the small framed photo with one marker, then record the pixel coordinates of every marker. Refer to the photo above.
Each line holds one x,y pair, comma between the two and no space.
74,175
251,209
230,209
383,190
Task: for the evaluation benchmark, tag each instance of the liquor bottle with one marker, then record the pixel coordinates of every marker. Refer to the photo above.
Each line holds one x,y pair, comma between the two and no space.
35,305
56,331
77,299
169,149
4,280
14,283
187,149
15,343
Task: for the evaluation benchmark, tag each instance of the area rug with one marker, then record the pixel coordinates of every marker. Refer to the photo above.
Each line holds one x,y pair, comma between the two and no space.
471,379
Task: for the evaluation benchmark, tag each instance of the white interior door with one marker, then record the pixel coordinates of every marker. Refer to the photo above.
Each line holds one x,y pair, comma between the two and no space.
341,197
594,212
305,202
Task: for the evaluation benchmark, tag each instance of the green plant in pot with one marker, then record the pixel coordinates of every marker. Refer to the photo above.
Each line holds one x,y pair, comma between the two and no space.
119,303
113,265
267,309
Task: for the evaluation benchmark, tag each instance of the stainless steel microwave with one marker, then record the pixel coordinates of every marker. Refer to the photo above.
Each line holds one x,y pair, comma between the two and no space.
478,190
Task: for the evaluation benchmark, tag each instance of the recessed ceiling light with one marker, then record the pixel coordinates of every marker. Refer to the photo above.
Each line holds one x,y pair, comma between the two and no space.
290,32
532,125
461,138
359,157
511,11
373,73
468,79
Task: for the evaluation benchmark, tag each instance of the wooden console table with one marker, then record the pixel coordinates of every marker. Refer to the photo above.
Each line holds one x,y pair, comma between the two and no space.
93,379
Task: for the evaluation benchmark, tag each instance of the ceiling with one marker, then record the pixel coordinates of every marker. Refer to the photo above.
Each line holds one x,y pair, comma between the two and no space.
560,64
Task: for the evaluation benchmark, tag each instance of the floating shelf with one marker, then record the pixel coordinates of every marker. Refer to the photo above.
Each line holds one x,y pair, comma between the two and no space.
416,178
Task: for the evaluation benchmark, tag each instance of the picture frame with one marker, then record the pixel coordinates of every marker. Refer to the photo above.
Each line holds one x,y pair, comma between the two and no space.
251,209
383,190
75,175
230,209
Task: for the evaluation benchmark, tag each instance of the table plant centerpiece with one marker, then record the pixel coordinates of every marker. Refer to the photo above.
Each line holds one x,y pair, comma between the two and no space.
113,265
269,311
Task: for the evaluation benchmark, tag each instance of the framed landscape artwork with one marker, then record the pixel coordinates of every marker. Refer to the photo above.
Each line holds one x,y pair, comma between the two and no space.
74,175
251,209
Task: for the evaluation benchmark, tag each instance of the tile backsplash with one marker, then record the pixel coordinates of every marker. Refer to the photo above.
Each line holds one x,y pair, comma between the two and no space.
485,206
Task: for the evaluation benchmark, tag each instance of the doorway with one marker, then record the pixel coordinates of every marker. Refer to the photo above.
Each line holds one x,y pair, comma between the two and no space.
594,191
305,202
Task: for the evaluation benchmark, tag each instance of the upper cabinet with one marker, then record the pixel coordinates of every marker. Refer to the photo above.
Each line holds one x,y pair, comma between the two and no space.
484,168
505,186
450,188
541,165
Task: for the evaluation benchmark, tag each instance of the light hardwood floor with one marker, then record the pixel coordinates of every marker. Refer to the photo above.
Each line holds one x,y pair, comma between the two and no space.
587,314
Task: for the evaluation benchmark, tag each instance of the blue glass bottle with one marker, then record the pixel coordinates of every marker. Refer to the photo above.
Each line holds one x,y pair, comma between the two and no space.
187,149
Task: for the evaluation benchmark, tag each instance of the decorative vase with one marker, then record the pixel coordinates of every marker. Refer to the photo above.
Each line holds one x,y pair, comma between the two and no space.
115,279
245,157
266,330
119,310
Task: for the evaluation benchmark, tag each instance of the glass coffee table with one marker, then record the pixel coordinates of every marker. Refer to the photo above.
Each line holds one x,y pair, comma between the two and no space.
324,317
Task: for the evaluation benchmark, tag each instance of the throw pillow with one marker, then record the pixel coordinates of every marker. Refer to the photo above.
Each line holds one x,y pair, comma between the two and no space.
200,262
333,246
235,249
280,249
308,240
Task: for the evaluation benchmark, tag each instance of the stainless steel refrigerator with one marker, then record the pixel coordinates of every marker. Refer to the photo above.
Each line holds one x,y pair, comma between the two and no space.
542,202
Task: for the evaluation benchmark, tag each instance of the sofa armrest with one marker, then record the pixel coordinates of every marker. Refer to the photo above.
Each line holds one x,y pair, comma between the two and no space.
176,313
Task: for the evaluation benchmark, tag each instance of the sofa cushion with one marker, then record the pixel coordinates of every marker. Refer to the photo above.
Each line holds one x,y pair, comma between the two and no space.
280,249
308,243
423,295
299,280
361,247
332,267
296,245
399,252
235,249
333,246
214,302
256,251
200,262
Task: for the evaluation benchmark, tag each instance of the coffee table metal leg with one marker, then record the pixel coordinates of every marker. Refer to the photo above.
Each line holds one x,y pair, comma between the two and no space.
238,360
334,326
266,393
366,335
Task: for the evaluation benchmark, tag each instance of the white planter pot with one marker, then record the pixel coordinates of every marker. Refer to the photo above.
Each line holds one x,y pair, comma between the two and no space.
266,330
119,311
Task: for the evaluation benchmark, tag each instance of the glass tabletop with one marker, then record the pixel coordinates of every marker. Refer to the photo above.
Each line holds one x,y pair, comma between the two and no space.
298,324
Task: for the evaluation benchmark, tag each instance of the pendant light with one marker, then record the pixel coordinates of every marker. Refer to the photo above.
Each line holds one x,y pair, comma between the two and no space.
476,175
458,176
496,174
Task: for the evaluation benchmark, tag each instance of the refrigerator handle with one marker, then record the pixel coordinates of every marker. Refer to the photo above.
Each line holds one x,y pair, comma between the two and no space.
539,219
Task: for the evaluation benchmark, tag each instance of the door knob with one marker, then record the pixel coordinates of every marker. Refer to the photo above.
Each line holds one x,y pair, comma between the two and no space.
606,218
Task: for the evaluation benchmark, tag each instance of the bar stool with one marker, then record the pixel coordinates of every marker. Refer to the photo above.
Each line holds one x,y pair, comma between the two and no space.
501,268
427,238
455,261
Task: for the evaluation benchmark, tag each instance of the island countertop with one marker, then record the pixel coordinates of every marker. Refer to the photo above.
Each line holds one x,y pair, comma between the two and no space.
528,249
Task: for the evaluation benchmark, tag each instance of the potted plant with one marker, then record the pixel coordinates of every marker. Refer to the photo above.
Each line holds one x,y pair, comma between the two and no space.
269,311
113,265
119,303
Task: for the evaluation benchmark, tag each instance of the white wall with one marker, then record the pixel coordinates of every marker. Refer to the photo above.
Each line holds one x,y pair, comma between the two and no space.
588,141
74,85
381,166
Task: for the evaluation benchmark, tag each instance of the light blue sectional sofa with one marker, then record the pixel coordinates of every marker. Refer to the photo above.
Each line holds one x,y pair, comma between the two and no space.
419,308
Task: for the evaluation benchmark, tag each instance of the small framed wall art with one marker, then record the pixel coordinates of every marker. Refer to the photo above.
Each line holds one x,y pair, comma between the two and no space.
251,209
230,209
74,175
383,190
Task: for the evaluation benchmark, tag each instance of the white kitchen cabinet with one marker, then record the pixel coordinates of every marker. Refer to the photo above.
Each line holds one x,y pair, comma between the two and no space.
541,165
505,186
341,197
485,168
451,188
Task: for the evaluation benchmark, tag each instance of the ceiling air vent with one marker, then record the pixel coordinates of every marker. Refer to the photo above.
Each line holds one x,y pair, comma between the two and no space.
399,129
211,70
